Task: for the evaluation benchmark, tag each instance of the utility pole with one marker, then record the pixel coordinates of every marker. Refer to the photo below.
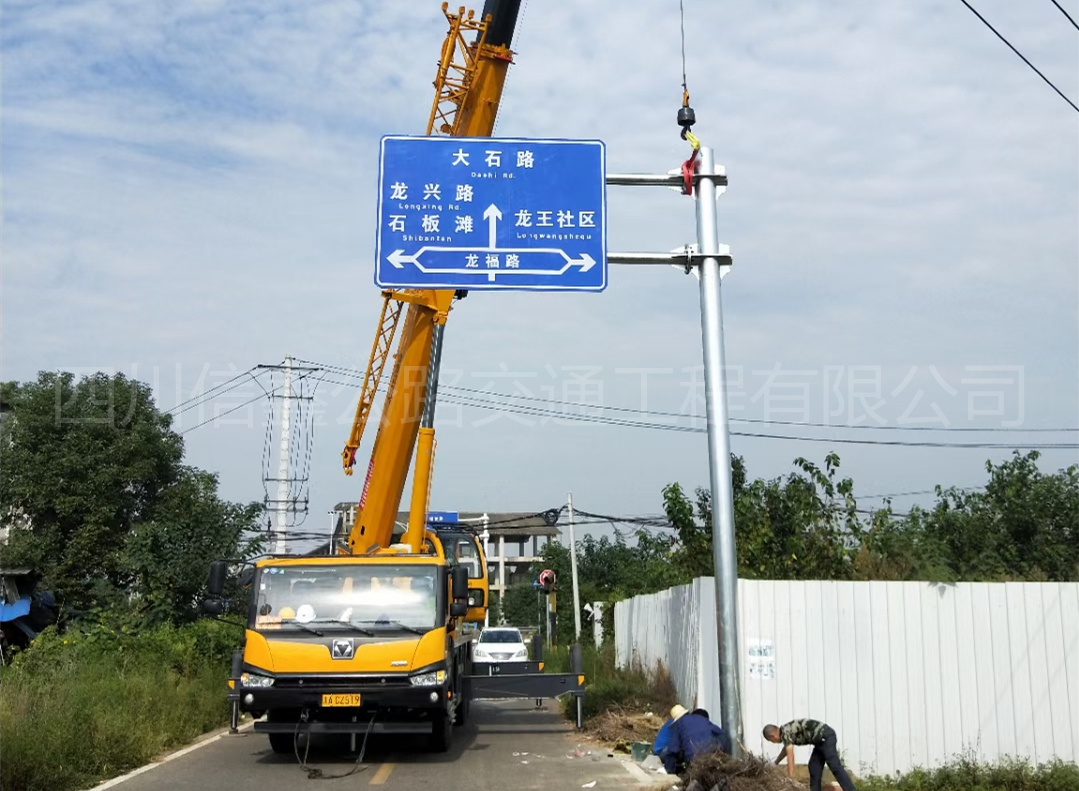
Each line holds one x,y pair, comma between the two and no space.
573,570
712,260
282,467
719,450
486,536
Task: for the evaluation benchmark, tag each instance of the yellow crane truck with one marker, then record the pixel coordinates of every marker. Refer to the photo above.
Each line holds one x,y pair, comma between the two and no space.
371,638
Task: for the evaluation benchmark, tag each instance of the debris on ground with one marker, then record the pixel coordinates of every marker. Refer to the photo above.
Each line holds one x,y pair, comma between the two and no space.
620,728
720,772
589,785
653,764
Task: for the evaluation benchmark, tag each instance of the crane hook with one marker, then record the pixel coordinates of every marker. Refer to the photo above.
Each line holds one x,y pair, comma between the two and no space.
686,116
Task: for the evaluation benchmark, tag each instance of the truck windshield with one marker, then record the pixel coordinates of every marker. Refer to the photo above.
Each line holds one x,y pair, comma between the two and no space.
369,598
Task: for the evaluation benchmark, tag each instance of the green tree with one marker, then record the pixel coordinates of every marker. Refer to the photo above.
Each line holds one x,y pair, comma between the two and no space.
693,556
169,556
83,462
804,526
100,503
608,571
520,606
1023,526
556,558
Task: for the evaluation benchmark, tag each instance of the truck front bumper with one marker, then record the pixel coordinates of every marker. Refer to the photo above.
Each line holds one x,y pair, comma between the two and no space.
307,693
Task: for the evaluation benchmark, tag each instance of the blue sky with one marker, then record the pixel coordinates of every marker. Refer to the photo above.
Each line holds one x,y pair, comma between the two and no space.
190,187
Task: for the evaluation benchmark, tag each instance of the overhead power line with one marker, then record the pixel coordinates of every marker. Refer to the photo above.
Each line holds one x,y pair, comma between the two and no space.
1021,55
523,409
799,424
532,411
679,415
944,490
217,390
244,404
1065,13
659,413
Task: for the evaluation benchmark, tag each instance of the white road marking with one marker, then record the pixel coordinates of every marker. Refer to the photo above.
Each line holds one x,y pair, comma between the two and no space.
639,774
189,749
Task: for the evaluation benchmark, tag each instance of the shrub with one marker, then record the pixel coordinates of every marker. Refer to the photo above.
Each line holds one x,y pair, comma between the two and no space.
94,702
607,686
966,774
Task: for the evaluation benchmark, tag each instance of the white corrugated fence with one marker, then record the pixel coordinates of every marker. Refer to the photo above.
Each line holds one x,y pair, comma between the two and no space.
908,673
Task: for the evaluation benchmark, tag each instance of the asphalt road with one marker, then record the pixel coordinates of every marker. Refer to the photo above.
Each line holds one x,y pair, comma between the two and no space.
508,745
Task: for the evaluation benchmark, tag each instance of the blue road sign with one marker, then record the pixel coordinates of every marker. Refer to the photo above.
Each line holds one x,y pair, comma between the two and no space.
492,213
442,517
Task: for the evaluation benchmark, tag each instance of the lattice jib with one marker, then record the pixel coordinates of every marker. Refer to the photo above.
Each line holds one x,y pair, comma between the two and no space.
456,70
380,353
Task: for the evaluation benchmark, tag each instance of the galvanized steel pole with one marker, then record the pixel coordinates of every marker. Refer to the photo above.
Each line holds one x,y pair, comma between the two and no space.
719,452
573,571
486,536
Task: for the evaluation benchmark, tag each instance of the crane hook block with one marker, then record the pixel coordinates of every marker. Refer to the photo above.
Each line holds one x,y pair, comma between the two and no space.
686,117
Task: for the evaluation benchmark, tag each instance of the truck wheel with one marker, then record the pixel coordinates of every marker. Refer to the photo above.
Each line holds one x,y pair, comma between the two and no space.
460,716
441,733
282,743
464,703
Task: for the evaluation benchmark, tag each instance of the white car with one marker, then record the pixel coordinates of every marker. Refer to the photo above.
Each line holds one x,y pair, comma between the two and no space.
500,644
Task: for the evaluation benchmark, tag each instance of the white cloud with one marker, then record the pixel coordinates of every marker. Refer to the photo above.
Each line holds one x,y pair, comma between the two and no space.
193,182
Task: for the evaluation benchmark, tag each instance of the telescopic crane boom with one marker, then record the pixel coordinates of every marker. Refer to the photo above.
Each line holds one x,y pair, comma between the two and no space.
468,88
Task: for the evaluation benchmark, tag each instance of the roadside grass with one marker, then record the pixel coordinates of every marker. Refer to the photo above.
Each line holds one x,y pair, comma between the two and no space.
966,774
961,774
85,706
608,687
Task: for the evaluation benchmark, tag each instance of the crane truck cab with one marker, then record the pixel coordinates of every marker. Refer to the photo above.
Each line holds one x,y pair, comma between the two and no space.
347,644
462,548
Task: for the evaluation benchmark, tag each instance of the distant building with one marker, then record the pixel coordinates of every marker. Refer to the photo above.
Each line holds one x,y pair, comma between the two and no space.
515,541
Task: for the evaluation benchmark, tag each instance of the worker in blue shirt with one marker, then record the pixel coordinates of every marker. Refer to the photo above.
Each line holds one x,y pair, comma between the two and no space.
663,738
692,734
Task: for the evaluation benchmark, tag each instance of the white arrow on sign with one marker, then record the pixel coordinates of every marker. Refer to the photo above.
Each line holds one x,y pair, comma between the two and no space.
586,261
398,259
492,215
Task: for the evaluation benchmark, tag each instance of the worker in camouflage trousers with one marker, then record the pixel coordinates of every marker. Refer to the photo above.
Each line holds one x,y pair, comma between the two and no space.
822,737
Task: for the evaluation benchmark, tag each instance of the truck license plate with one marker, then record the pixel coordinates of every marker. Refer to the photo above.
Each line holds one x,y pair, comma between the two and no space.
341,700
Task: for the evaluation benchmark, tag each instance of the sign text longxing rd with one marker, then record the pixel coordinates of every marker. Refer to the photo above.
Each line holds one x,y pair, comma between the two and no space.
492,213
